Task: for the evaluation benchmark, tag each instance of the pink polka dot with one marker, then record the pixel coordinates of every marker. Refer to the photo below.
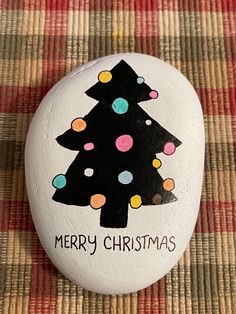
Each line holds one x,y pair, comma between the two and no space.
153,94
169,148
88,146
124,143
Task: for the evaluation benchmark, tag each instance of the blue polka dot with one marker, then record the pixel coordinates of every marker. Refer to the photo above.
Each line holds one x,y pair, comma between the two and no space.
59,181
140,80
120,105
125,177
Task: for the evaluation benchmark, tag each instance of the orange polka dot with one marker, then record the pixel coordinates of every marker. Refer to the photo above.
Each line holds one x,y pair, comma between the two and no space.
78,125
169,184
97,201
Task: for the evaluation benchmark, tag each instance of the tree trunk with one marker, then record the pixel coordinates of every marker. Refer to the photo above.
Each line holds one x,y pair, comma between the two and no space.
114,215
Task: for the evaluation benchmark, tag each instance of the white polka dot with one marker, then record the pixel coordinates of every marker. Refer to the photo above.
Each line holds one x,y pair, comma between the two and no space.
148,122
88,172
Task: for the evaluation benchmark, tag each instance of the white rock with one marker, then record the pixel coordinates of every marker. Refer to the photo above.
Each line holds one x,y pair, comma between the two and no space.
109,259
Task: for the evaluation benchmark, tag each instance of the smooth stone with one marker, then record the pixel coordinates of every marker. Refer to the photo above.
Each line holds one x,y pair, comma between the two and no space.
118,237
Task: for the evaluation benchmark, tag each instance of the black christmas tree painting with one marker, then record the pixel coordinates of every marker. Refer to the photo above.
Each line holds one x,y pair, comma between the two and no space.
117,142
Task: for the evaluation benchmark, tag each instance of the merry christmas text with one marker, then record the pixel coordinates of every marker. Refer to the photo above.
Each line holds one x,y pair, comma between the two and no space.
90,243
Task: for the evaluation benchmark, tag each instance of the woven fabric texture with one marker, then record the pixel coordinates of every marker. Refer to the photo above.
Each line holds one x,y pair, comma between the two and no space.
41,41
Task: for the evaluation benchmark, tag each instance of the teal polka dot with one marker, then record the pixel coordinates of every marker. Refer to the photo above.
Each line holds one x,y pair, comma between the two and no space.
120,105
59,181
125,177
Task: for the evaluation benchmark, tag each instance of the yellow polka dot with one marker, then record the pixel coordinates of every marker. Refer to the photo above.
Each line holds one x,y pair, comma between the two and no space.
169,184
78,125
105,76
97,201
136,201
156,163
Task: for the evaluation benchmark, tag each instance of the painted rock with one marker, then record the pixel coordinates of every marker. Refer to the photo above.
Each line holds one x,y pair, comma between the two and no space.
114,164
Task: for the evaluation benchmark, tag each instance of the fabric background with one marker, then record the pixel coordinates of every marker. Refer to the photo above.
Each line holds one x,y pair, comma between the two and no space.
41,41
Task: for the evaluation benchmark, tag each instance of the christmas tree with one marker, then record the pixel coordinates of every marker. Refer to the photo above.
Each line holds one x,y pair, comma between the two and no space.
116,165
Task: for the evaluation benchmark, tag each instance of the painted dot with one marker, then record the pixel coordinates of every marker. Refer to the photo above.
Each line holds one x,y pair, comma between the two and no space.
124,143
153,94
78,124
105,76
88,172
157,198
168,184
148,122
97,201
156,163
140,80
136,201
120,105
125,177
169,148
59,181
88,146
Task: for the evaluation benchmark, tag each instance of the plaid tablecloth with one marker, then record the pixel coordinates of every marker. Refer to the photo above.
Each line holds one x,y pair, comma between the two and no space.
41,41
